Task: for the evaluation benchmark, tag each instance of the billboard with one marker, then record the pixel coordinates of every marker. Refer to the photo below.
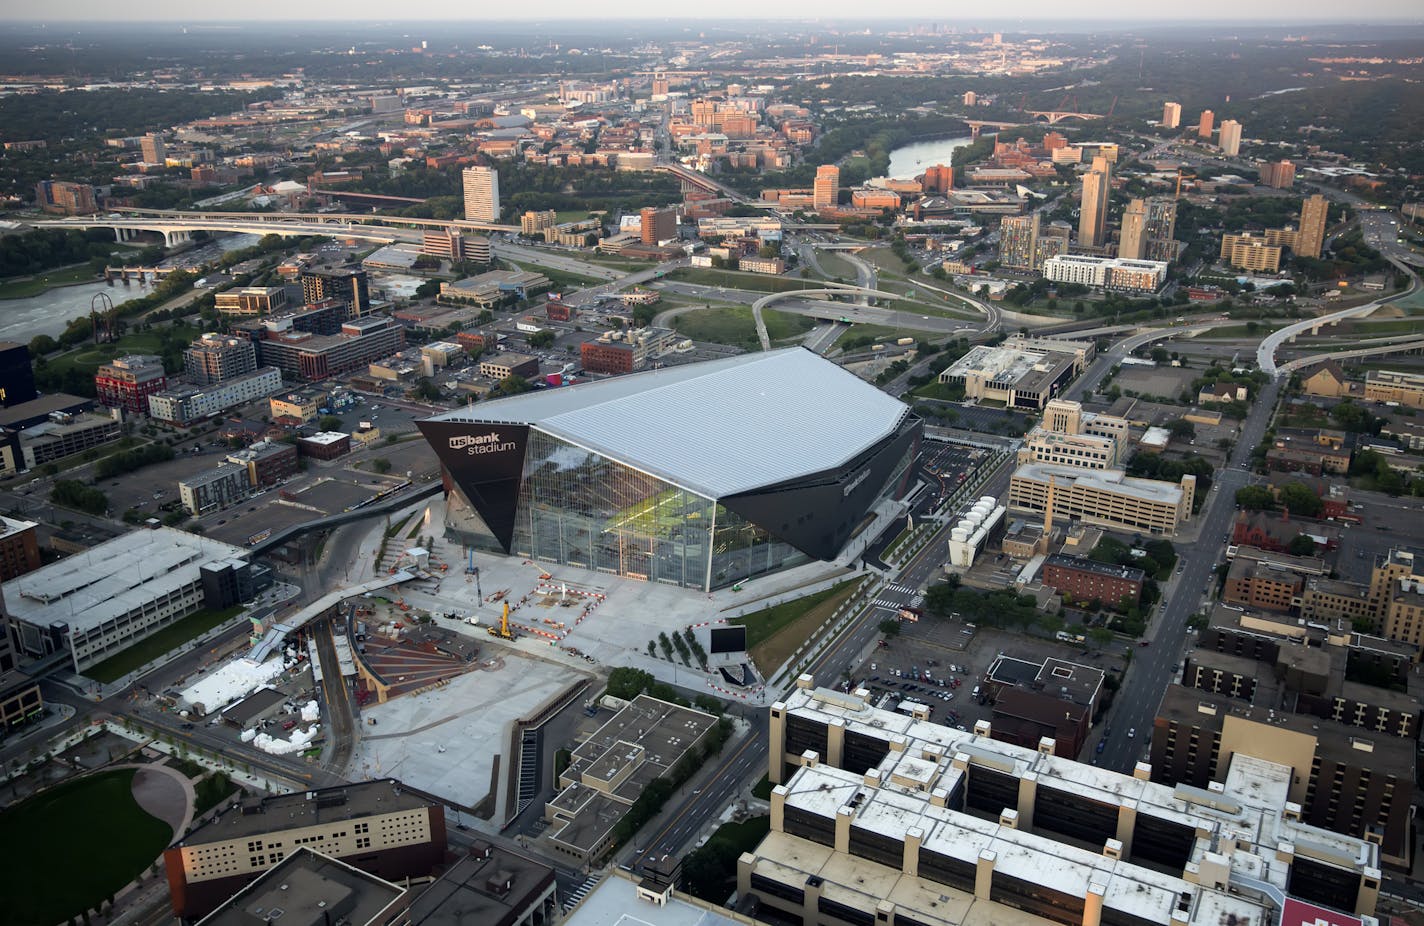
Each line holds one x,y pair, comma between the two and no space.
728,640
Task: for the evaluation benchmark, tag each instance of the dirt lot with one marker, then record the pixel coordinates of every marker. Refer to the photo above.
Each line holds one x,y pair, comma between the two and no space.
1165,382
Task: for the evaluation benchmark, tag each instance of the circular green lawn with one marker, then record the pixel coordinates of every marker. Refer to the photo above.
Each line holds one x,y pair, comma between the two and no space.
69,848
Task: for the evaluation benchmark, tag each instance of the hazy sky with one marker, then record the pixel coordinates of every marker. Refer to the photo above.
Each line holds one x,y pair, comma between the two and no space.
1023,10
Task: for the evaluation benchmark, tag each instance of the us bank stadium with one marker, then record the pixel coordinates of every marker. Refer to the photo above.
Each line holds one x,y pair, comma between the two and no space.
698,476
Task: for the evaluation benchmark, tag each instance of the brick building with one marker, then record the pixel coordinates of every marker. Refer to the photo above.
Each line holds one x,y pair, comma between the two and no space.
127,382
1087,579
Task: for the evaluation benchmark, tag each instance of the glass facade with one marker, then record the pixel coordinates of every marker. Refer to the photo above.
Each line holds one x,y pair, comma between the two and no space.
581,508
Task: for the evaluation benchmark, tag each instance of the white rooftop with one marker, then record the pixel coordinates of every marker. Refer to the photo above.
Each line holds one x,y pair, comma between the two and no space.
716,428
615,903
117,576
1105,480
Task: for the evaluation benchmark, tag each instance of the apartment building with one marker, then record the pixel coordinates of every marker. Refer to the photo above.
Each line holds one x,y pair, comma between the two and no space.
481,187
215,358
1018,241
1314,215
314,357
1248,252
127,382
1171,115
1089,580
880,818
377,826
213,490
251,301
1110,273
19,552
344,284
66,198
1278,175
1106,498
183,405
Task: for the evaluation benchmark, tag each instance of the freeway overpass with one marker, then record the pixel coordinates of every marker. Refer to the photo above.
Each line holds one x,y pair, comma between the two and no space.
175,225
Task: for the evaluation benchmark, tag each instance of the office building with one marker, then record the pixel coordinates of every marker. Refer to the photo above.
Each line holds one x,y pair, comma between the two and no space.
1086,451
17,375
310,888
490,886
641,743
65,198
377,826
494,288
183,405
216,358
507,363
153,149
64,435
1115,274
1279,175
1248,252
267,462
1038,702
348,285
826,189
1093,208
95,603
1020,377
1230,138
1206,125
481,194
756,494
127,382
1132,239
1310,237
251,301
882,818
1088,580
1018,241
1104,498
1171,115
657,225
215,489
1403,388
19,552
314,357
938,178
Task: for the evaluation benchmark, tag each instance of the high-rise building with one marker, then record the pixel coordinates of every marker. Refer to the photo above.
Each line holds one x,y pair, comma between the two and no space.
65,198
127,382
1310,239
154,151
534,222
1093,211
971,98
827,189
216,358
1171,115
657,225
1018,241
349,285
660,83
1206,124
938,178
481,194
1250,253
1147,228
1230,137
1278,175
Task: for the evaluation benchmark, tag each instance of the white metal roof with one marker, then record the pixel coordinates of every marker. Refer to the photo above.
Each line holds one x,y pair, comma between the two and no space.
717,428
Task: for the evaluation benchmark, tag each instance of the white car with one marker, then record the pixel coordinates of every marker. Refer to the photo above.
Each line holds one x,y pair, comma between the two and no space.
1131,732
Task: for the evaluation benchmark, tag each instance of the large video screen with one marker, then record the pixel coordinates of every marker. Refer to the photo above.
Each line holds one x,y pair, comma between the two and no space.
729,639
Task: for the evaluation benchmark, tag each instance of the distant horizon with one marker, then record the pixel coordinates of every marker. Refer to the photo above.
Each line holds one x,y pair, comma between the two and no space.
369,12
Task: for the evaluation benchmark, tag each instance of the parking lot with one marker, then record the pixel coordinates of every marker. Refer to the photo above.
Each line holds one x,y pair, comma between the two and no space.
1387,522
922,664
1164,382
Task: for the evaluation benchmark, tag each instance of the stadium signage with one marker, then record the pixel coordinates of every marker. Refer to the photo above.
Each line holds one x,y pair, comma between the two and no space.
474,444
855,483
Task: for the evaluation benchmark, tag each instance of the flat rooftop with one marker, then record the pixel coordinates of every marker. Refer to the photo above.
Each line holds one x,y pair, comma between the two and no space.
650,733
615,903
306,808
310,889
1114,481
113,578
485,886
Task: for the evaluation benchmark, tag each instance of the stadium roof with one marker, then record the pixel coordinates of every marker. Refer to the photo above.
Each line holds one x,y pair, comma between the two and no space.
717,428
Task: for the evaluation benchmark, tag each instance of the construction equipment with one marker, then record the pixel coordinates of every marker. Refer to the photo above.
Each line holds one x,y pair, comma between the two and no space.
503,631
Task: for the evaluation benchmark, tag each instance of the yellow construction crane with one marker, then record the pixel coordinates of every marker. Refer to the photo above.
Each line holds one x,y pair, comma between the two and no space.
503,631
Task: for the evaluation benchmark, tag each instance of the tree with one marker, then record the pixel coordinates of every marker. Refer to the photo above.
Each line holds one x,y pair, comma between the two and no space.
890,627
381,465
1301,545
1181,428
1297,498
427,289
426,389
42,344
1255,498
514,384
329,423
541,338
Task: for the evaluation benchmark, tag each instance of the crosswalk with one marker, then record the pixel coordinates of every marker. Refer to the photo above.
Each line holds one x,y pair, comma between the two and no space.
904,595
580,892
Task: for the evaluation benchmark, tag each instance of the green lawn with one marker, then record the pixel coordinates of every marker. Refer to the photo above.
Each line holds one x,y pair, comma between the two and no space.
735,326
732,279
33,286
67,849
944,391
781,326
169,638
90,357
765,624
560,278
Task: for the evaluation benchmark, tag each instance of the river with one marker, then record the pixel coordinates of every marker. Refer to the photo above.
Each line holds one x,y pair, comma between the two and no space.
51,311
908,162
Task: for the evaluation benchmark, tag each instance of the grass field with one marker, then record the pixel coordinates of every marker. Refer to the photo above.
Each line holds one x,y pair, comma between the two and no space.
879,332
71,847
91,357
169,638
774,634
734,325
837,266
943,391
732,279
33,286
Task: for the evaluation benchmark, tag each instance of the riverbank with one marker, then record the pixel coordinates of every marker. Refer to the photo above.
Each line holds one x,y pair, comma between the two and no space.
36,284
